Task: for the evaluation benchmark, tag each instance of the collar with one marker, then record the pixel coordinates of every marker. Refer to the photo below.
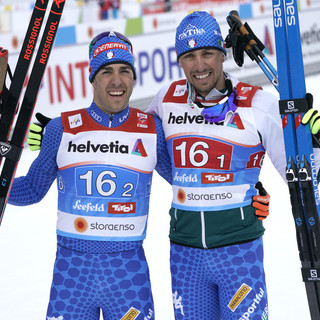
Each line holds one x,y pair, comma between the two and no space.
105,119
214,95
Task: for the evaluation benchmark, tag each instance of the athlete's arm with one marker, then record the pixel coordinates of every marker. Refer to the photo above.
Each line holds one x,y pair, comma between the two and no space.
33,187
163,166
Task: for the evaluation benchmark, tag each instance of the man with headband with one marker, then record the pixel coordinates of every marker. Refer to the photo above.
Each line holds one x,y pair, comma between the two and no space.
103,158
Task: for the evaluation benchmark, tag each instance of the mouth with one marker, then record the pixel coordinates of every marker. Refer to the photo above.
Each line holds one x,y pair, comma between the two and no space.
202,76
116,93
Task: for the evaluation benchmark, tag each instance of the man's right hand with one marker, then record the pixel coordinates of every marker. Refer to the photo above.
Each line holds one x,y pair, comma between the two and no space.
36,132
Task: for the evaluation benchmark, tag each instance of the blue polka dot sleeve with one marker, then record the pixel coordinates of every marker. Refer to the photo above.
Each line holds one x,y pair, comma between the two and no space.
163,166
33,187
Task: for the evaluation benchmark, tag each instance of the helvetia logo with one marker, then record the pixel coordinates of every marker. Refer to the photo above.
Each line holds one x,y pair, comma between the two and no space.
139,149
112,147
81,225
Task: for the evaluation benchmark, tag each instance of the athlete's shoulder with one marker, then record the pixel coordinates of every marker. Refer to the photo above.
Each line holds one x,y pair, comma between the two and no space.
266,102
177,92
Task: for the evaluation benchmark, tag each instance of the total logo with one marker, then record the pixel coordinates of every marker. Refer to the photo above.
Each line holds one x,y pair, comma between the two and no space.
119,208
209,177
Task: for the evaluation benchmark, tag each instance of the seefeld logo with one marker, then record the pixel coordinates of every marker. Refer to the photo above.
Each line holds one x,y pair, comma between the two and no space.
190,31
88,207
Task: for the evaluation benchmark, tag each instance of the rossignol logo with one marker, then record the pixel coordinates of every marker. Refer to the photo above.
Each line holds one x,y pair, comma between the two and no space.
187,118
4,148
32,39
112,147
190,31
239,296
254,305
131,314
207,178
49,39
120,208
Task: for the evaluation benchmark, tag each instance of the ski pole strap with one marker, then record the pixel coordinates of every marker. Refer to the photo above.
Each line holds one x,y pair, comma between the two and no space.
310,274
10,151
293,106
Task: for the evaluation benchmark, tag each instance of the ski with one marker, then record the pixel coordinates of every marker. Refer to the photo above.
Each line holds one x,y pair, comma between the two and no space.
21,70
301,172
11,150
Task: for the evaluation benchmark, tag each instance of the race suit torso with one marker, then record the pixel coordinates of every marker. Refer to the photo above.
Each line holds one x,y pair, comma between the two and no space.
214,167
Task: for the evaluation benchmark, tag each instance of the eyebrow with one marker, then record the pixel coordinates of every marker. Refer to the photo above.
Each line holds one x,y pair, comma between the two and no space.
109,68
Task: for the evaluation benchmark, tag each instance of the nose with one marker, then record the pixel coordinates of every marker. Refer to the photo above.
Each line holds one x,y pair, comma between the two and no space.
199,63
116,79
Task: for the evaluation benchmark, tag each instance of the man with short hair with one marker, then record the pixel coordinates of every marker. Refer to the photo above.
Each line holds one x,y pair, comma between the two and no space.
103,158
217,130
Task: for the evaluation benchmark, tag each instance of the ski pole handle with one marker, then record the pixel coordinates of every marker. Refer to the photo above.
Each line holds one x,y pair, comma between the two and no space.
234,17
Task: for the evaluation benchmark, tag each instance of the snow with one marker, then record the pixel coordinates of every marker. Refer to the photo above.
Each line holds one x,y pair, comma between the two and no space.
28,245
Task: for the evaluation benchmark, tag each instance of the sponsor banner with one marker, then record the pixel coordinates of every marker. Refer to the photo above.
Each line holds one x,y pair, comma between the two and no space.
239,296
86,226
131,314
137,147
210,198
66,86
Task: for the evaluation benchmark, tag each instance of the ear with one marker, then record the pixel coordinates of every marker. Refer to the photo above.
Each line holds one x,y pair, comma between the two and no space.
223,58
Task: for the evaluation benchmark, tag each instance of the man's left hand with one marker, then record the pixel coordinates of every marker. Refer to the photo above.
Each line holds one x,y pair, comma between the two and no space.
261,202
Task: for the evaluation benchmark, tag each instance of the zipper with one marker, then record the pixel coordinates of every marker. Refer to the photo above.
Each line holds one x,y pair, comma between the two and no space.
110,120
175,219
242,213
203,230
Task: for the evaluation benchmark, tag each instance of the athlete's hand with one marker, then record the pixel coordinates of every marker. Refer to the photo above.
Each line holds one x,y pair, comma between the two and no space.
36,132
312,116
261,202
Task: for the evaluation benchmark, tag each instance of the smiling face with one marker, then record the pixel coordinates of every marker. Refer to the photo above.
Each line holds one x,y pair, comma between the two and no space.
204,69
113,87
